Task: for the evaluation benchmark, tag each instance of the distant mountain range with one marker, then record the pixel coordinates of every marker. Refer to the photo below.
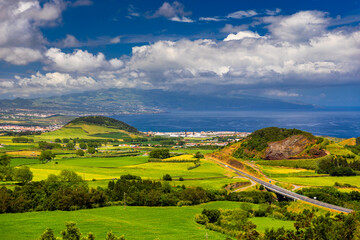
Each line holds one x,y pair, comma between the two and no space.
120,101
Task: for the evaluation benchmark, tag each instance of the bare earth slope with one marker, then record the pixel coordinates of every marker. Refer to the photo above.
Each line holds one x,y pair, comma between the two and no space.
291,147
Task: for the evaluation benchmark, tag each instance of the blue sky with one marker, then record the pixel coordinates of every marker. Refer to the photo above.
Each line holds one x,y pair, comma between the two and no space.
306,51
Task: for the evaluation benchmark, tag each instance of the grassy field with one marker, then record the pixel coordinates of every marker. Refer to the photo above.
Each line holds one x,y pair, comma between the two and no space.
320,181
298,163
191,151
185,157
262,223
134,222
108,168
17,147
113,162
274,172
24,153
23,161
111,135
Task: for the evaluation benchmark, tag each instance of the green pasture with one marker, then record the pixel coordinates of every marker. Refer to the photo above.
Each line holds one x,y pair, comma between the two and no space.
274,172
99,162
134,222
320,181
77,131
17,147
63,133
263,223
296,163
190,151
111,135
23,161
108,168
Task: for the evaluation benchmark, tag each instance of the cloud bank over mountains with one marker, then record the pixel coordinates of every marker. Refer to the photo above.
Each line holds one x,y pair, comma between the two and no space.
292,50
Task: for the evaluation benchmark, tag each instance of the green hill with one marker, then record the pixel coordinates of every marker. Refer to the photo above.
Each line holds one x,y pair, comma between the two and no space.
280,143
92,127
104,122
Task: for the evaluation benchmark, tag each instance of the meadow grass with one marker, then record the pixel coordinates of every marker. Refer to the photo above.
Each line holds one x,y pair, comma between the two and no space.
23,161
263,223
111,135
297,163
212,184
191,151
271,171
186,157
24,153
113,162
18,147
151,170
320,181
82,131
134,222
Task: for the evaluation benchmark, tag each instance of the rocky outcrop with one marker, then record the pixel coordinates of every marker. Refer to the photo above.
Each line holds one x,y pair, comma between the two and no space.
292,147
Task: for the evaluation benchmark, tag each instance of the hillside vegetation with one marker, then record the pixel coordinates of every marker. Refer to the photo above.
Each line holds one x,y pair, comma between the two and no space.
104,122
279,143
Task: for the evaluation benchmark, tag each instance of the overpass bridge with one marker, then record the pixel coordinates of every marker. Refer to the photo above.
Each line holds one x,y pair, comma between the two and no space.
288,194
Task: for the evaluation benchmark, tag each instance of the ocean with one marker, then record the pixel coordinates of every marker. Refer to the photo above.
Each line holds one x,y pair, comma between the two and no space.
342,124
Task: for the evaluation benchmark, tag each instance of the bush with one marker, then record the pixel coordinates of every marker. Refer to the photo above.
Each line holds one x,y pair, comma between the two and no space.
22,140
184,203
342,171
160,153
83,145
80,152
167,177
212,214
91,150
201,219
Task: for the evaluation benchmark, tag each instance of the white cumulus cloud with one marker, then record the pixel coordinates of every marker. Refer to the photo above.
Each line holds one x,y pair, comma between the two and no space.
241,35
174,12
80,61
242,14
21,41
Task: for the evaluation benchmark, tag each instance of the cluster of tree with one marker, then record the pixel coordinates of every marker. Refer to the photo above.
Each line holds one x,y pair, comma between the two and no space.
22,140
333,196
338,166
234,223
47,146
66,191
25,133
8,173
154,193
355,149
46,155
160,153
310,225
72,232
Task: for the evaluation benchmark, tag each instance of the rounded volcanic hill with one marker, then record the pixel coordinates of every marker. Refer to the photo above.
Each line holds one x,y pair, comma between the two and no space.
91,127
274,143
104,122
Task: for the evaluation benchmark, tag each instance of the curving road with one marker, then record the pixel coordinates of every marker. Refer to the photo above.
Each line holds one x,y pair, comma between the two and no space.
287,193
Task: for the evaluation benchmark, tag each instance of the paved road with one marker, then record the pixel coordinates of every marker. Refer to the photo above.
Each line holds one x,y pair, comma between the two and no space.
289,194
